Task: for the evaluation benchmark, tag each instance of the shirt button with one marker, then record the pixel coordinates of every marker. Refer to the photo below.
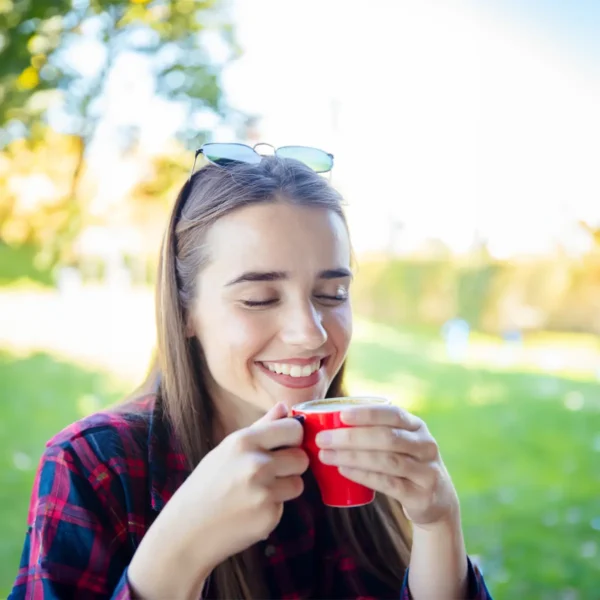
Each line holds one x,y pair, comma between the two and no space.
270,550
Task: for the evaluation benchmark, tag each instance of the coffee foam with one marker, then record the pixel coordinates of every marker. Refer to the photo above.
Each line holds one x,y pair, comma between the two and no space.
335,404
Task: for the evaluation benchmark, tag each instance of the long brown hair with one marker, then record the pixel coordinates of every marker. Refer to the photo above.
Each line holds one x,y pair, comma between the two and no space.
377,534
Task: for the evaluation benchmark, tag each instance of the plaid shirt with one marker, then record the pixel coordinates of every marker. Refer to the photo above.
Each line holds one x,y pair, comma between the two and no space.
102,482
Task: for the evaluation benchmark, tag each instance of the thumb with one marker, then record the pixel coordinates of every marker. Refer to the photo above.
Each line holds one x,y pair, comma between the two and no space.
279,411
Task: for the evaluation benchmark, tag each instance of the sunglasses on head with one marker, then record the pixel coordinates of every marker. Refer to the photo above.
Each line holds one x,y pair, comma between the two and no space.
223,155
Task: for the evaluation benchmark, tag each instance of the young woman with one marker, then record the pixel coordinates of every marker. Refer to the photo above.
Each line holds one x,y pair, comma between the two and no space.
199,488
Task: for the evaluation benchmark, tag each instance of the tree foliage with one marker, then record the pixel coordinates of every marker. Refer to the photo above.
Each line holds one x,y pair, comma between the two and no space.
45,71
38,42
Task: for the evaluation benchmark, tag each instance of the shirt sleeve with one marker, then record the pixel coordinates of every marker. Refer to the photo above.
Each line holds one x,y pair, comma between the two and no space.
76,542
476,588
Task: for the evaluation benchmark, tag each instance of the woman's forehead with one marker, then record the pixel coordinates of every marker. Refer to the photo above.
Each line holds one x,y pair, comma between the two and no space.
279,232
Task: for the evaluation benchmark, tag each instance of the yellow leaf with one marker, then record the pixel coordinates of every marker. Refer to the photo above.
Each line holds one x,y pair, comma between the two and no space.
28,79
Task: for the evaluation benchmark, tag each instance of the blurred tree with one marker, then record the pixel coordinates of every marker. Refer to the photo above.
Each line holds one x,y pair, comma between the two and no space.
56,60
165,177
35,177
29,33
593,230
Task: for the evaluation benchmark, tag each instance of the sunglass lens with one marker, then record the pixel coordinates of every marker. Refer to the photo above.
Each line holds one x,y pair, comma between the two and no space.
226,154
316,159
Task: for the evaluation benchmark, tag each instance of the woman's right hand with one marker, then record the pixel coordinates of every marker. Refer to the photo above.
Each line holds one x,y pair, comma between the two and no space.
233,499
236,493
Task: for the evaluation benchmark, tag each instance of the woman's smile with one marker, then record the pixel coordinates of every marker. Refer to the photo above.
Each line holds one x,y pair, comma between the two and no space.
297,373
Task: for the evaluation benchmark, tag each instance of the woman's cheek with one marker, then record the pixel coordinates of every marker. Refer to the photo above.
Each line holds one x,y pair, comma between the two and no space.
341,327
247,334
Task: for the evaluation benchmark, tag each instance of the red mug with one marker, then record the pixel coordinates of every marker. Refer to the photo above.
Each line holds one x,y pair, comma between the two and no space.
320,415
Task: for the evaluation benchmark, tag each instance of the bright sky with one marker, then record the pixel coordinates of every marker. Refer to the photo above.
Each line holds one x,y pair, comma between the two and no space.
449,119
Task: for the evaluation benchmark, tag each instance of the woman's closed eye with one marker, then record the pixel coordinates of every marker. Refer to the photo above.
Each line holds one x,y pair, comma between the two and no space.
259,303
338,298
327,299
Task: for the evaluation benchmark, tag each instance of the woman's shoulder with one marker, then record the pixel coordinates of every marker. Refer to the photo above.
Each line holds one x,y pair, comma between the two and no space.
124,451
118,433
89,500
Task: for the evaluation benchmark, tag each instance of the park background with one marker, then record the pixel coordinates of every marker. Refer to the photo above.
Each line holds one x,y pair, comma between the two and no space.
466,142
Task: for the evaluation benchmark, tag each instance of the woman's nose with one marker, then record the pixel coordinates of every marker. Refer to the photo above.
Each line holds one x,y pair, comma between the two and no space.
303,327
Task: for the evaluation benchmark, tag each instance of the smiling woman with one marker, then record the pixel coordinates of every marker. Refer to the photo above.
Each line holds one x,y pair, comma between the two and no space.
273,291
200,487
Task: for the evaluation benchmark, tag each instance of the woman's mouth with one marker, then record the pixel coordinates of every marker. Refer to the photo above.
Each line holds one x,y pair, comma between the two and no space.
296,374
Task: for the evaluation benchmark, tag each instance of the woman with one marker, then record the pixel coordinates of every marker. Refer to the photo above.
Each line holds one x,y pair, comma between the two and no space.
199,488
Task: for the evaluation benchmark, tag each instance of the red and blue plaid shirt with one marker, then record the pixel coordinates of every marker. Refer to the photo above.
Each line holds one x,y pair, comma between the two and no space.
102,482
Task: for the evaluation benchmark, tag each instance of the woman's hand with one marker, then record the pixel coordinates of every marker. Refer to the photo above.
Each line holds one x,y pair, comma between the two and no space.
233,499
392,451
238,489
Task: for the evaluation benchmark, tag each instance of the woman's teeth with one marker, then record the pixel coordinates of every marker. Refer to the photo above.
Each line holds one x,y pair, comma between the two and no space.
293,370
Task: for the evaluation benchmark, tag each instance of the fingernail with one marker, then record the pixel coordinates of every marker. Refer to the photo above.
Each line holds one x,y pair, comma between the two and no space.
348,416
299,418
323,438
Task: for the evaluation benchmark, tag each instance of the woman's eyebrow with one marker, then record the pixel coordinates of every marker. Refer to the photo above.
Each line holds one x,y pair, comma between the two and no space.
339,273
253,276
259,276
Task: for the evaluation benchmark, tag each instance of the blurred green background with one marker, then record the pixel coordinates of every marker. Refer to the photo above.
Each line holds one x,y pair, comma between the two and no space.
477,295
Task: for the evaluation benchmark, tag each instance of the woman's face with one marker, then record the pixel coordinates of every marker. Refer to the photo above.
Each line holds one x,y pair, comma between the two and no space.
272,311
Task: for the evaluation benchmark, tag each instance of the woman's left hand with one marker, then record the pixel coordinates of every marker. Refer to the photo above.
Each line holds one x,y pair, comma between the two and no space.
392,451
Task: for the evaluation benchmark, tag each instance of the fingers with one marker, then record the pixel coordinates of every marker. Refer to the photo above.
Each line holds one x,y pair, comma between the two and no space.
396,487
283,432
387,415
286,488
384,439
384,463
291,461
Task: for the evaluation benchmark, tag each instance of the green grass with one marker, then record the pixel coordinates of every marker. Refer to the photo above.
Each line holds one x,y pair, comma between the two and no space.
18,268
38,396
525,465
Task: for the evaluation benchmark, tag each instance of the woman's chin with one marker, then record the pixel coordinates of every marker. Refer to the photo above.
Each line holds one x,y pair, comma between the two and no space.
299,396
292,394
